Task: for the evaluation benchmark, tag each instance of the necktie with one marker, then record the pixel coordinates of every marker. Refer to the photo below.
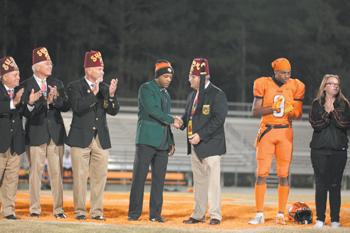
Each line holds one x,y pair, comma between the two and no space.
92,85
43,87
10,92
195,103
193,110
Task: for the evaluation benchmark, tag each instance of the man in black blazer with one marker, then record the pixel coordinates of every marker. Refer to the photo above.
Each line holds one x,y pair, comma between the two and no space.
45,132
204,119
12,134
91,99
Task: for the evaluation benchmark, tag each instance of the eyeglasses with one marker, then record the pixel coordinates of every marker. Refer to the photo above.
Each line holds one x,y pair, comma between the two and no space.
333,84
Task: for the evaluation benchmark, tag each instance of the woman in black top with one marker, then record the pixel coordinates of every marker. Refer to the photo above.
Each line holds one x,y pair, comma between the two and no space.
330,118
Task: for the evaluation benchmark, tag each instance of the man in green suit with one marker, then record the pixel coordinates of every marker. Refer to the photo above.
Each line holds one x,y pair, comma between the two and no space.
154,141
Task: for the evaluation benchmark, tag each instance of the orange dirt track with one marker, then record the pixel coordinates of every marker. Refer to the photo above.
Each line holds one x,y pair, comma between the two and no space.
237,209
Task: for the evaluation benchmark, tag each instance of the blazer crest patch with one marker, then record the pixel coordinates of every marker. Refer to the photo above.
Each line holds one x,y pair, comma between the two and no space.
105,104
206,109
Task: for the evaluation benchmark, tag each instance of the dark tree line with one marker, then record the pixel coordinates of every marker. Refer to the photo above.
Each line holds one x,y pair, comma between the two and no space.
240,39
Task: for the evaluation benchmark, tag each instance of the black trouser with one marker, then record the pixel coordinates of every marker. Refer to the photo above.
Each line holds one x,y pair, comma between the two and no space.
146,155
328,168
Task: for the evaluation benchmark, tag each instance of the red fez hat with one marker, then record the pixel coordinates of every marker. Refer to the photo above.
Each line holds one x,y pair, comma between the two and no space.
40,54
8,65
281,64
163,67
93,59
200,66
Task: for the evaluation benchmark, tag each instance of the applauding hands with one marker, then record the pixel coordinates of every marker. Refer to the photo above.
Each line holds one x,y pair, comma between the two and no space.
34,96
329,105
18,97
53,94
113,87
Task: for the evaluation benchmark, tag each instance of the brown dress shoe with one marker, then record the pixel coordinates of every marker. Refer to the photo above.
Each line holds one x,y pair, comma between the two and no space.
214,221
192,221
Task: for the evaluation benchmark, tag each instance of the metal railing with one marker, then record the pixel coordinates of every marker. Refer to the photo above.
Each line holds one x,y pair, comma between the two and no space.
235,109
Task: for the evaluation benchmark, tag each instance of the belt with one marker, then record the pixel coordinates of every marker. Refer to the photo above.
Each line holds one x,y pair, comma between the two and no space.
278,126
269,127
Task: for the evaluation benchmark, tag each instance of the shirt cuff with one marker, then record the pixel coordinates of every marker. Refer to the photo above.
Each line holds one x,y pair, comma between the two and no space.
12,105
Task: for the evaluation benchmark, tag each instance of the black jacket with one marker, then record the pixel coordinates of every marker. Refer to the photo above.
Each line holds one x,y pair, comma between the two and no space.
208,122
45,122
11,127
89,114
330,128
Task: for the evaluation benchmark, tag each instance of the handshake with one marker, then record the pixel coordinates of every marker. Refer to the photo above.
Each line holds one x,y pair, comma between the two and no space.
178,122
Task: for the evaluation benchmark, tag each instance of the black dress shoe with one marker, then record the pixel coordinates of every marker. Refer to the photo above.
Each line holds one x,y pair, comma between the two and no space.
192,221
60,215
98,217
35,215
81,217
214,221
11,217
157,219
132,219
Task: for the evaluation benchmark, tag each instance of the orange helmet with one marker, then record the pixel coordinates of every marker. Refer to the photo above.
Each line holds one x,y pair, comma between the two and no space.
300,213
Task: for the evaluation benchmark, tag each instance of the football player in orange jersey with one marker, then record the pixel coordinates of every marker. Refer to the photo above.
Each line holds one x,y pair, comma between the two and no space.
278,100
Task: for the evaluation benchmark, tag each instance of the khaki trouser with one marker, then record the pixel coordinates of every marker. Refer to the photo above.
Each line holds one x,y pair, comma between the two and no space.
37,156
9,167
89,162
207,186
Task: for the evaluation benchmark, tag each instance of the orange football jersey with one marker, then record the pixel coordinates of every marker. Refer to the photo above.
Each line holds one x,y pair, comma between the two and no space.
290,92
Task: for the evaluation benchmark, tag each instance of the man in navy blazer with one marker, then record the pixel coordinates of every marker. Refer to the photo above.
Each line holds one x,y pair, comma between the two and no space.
204,118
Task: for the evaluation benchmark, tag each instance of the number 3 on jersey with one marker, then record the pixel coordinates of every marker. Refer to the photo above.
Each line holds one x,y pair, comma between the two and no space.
279,101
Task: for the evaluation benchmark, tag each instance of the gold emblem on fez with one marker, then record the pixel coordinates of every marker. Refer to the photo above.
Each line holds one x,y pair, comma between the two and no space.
96,56
196,65
43,51
206,109
105,104
9,62
193,65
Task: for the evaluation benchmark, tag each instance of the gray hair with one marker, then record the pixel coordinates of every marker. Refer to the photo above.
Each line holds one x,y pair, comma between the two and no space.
34,67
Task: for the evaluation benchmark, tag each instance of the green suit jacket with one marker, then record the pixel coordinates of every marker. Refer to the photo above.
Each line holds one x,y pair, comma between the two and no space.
152,120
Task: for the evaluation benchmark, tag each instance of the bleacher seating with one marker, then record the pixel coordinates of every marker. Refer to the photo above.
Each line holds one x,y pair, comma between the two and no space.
240,139
239,157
